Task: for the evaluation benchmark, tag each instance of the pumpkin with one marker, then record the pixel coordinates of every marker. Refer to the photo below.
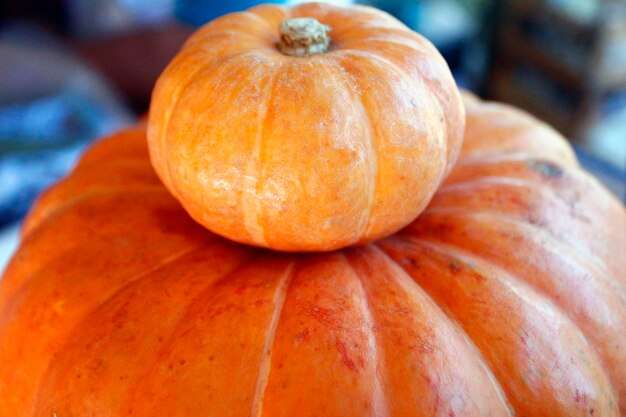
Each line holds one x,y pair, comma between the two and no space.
504,297
305,129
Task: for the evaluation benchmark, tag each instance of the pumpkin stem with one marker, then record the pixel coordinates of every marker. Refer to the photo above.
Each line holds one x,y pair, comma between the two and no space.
303,36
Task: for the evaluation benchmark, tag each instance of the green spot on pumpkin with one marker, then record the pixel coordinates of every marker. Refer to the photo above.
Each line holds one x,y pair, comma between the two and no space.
455,266
545,168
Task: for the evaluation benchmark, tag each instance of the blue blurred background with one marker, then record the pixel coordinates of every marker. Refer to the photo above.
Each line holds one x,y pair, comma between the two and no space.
74,70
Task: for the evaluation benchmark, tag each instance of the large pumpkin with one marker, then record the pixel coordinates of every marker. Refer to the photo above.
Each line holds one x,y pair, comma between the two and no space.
506,296
272,134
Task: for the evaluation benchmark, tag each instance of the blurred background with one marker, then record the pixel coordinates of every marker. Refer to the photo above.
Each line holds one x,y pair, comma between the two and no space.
74,70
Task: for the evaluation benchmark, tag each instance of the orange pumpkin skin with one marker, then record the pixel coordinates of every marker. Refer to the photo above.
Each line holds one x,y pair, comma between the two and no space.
506,296
305,153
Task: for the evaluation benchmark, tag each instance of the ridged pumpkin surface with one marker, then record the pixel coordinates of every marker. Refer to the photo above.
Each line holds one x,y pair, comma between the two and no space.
255,144
506,296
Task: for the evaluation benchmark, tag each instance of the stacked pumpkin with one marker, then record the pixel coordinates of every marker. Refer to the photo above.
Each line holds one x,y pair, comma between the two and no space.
423,285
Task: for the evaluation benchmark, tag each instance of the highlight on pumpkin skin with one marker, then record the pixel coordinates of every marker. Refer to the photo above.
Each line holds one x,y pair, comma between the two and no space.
340,139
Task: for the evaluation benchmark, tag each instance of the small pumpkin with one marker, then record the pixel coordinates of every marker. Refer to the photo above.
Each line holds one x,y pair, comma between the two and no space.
505,297
305,129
